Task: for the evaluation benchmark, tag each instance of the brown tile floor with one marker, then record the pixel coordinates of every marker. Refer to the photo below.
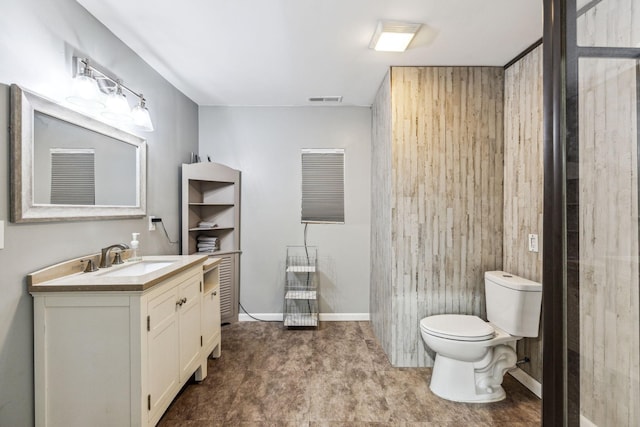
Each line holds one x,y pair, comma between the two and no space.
335,376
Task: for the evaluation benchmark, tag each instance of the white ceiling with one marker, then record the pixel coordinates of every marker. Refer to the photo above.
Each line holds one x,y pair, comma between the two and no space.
281,52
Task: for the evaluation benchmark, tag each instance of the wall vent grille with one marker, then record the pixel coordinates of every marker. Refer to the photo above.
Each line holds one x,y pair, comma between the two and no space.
325,99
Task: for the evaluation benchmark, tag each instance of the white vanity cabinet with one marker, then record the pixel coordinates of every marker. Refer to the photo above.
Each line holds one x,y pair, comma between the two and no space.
173,341
211,312
118,357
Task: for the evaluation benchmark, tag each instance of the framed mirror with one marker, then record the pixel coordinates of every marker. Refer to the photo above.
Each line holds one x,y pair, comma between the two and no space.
68,166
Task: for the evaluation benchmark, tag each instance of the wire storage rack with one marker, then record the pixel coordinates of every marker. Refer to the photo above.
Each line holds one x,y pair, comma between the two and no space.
301,287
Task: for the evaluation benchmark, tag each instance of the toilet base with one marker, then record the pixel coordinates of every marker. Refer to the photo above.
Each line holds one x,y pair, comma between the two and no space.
456,381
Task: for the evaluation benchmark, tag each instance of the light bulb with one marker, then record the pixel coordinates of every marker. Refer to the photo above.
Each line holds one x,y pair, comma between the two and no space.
85,93
141,117
117,107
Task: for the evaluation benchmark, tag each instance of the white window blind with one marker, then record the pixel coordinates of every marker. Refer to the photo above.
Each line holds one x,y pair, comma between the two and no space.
73,176
323,185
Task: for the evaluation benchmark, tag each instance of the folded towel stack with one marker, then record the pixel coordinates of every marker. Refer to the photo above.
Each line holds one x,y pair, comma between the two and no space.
208,243
207,224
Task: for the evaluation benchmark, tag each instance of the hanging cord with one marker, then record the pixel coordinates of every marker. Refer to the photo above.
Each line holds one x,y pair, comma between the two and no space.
306,251
306,224
255,318
167,234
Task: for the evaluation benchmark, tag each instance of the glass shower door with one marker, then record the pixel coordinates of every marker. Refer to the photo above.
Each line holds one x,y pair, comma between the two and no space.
602,232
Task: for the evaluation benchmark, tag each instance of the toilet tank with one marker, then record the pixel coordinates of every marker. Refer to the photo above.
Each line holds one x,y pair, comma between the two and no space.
513,303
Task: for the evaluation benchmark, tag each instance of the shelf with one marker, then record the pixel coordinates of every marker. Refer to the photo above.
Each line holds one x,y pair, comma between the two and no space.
216,183
301,319
218,253
301,295
301,269
301,291
211,196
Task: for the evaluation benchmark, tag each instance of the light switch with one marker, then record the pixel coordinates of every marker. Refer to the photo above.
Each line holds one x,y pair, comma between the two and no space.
533,243
1,234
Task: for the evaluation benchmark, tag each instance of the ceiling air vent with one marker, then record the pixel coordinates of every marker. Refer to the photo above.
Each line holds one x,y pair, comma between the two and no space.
325,99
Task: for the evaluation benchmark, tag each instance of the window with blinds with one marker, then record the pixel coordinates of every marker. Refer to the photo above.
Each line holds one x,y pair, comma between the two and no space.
323,185
73,179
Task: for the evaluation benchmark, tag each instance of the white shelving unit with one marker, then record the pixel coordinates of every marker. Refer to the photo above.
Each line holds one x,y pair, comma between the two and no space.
211,194
301,287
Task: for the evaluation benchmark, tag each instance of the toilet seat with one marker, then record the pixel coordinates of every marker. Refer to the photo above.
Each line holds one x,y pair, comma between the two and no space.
458,327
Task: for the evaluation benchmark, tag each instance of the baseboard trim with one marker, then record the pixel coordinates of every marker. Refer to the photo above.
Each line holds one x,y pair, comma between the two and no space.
269,317
344,317
528,381
324,317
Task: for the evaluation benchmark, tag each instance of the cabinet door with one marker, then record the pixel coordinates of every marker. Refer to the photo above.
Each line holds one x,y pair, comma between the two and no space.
163,353
190,333
211,318
228,288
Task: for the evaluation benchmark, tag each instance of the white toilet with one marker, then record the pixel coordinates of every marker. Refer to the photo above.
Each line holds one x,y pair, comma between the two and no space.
472,355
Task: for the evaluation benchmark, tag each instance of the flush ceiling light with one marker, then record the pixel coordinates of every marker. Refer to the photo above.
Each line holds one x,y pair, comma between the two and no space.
90,84
393,36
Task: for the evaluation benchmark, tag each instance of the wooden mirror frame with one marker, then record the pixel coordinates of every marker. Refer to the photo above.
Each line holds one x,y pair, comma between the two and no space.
24,105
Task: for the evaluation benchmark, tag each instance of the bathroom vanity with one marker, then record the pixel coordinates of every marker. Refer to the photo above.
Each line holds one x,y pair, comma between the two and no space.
113,347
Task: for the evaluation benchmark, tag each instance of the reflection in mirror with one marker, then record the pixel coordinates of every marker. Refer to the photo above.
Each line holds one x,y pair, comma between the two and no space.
64,159
73,178
69,166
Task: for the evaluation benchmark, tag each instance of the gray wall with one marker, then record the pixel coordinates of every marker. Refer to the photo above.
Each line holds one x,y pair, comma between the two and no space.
110,188
37,41
264,143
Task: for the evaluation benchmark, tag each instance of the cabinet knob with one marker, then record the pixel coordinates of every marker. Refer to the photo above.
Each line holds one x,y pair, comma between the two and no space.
215,293
184,300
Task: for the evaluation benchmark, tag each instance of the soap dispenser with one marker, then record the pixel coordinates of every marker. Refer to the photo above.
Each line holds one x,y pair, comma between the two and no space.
135,255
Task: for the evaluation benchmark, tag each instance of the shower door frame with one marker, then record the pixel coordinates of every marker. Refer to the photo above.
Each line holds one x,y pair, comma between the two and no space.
561,144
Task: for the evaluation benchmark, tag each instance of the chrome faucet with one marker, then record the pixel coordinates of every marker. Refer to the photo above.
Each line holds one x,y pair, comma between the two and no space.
105,261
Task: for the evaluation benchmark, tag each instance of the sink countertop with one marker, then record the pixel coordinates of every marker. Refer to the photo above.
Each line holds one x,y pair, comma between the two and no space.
69,276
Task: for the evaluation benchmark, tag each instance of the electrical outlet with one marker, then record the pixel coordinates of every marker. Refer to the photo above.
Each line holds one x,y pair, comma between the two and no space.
533,243
152,225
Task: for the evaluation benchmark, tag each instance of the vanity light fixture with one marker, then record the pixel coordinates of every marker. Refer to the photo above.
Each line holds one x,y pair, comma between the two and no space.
85,91
117,107
141,117
393,36
96,89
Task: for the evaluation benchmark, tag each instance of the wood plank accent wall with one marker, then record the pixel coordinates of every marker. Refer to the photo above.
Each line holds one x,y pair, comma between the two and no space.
523,182
381,287
446,198
608,238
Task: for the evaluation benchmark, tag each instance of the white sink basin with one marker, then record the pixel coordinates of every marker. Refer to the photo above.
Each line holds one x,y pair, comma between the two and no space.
138,269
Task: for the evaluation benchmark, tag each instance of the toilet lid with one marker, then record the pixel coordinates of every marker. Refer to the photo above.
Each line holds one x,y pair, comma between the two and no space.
458,327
